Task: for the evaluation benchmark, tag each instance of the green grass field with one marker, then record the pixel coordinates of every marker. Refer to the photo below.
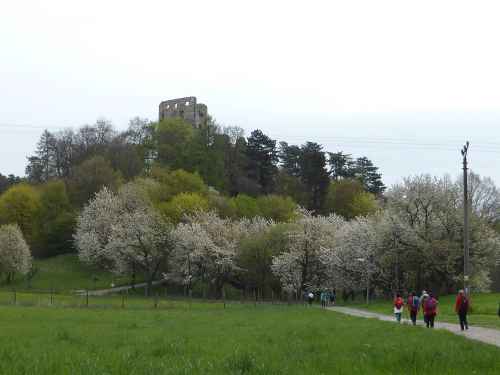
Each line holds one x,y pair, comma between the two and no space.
484,309
205,338
65,273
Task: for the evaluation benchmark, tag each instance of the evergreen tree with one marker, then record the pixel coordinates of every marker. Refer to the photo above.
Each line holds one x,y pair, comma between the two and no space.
290,159
341,165
369,176
262,160
314,174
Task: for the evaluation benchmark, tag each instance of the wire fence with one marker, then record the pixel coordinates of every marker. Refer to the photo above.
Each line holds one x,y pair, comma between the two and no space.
131,299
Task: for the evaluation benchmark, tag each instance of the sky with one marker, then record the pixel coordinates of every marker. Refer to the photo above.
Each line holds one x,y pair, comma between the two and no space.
403,83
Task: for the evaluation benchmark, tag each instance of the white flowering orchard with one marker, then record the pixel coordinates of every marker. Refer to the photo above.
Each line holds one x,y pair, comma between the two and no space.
15,255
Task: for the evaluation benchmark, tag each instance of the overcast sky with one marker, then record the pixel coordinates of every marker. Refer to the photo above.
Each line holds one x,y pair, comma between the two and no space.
404,83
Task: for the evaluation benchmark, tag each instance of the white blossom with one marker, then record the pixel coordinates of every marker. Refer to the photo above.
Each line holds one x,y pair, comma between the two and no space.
300,268
15,256
206,247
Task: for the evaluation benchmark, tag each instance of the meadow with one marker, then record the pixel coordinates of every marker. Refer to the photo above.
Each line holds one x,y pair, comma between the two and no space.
65,273
205,338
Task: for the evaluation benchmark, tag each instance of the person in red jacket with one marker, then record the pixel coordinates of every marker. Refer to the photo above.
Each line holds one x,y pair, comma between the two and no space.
398,307
462,308
430,310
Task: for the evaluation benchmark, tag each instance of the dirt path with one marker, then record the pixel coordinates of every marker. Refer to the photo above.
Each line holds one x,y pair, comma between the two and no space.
103,292
486,335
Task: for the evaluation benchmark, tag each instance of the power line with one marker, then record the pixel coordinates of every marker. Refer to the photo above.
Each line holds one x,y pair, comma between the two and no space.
388,143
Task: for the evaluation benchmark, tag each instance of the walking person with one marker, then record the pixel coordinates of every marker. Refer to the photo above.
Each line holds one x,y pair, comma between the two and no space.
423,299
310,298
430,310
413,306
333,297
462,308
323,299
398,307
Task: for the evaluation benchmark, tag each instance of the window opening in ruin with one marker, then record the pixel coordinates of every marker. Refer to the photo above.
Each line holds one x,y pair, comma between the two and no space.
187,104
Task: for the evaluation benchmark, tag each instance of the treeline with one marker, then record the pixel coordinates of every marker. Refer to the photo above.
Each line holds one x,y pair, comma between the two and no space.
223,157
206,168
413,243
209,207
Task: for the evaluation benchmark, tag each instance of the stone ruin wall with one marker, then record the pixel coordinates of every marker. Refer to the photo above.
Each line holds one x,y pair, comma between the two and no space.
186,108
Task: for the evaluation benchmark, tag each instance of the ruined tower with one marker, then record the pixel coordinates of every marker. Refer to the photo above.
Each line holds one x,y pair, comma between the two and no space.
185,108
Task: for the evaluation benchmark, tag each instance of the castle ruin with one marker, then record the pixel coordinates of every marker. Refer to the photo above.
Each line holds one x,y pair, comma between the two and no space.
186,108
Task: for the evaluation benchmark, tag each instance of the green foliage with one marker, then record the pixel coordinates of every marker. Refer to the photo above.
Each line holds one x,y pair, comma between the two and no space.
55,221
277,208
290,156
292,186
369,176
173,138
313,174
244,206
19,205
347,198
176,182
255,258
262,161
7,181
128,159
183,204
208,154
90,177
221,204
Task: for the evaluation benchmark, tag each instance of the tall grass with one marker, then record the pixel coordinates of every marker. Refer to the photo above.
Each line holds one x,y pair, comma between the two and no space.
202,338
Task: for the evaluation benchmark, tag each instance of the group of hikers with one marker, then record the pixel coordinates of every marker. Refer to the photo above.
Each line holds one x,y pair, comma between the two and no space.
428,303
326,298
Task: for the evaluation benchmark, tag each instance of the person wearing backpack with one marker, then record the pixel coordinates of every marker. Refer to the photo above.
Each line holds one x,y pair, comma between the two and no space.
430,310
462,308
398,307
413,305
422,300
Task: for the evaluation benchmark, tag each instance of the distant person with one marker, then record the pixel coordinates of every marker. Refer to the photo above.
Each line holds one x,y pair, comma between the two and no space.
430,310
333,297
423,299
398,307
324,299
310,298
462,308
413,306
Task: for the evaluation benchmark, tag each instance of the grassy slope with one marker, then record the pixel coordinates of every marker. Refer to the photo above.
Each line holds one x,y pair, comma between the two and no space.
241,339
64,273
484,309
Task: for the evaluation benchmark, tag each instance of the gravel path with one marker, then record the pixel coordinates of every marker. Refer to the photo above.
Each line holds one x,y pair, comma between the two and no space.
486,335
103,292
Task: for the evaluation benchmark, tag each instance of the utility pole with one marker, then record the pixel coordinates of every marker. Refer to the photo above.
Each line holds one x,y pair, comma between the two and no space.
464,151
